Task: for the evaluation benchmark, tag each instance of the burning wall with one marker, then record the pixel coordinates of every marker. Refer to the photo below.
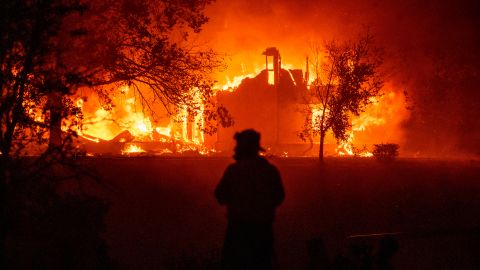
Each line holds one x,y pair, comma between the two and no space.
269,103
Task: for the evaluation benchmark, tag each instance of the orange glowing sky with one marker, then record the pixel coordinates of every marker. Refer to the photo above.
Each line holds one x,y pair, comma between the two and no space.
420,38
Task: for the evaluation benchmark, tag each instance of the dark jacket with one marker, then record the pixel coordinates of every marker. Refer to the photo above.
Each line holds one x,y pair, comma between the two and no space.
251,189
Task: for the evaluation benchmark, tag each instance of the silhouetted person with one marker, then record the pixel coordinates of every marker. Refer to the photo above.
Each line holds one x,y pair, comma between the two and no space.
388,246
317,255
251,188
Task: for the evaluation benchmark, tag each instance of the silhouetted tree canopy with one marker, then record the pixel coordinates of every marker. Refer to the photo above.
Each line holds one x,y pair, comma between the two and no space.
51,48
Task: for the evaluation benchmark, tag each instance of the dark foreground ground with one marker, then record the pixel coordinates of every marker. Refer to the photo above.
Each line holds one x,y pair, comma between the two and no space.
163,211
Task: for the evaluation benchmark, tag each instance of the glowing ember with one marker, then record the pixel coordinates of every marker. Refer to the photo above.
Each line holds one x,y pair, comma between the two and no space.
132,148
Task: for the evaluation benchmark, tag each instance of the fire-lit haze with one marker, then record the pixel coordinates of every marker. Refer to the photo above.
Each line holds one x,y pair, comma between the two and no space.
429,104
431,53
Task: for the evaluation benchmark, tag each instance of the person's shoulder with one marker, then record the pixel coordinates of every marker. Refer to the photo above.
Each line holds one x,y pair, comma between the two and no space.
272,172
267,163
232,167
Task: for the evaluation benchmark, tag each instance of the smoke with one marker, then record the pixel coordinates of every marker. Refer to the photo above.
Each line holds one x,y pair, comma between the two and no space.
432,52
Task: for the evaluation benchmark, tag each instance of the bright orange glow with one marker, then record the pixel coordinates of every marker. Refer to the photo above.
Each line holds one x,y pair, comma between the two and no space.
101,125
316,116
231,82
377,114
347,148
166,131
271,78
132,148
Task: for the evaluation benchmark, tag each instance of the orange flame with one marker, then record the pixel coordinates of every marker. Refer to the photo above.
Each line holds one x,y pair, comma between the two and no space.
132,148
105,125
376,114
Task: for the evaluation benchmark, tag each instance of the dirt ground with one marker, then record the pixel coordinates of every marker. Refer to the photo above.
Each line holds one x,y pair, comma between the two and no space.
163,209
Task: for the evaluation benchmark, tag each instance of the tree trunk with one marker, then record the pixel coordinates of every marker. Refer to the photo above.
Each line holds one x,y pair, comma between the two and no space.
3,211
55,107
322,140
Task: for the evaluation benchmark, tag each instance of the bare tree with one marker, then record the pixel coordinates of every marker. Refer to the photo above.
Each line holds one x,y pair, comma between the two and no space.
345,80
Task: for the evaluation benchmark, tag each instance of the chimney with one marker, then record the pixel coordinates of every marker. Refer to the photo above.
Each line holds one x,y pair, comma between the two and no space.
273,68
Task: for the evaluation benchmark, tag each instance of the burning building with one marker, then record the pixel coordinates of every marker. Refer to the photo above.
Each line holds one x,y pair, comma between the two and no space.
274,100
270,103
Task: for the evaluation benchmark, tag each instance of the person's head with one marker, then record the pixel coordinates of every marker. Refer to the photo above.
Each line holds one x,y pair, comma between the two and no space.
248,144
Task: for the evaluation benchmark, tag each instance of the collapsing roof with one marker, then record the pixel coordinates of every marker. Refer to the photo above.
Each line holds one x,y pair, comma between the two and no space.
269,103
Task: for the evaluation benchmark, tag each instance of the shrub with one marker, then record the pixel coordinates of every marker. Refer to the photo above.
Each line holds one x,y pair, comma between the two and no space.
385,151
